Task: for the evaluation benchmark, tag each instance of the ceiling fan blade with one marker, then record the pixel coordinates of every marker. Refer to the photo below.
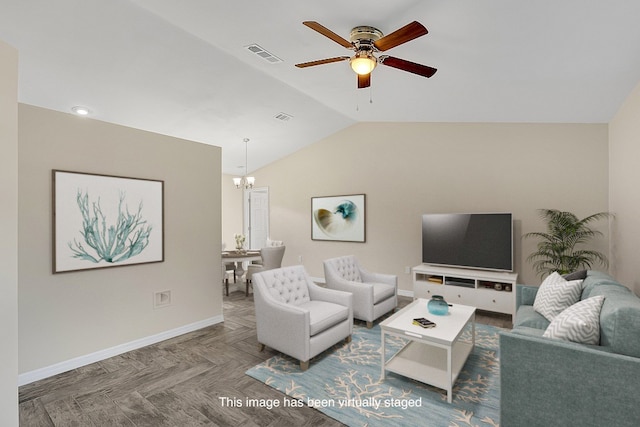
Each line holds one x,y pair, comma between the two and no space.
412,67
407,33
323,61
328,33
364,80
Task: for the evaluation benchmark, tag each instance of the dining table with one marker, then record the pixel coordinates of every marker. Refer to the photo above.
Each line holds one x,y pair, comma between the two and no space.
239,258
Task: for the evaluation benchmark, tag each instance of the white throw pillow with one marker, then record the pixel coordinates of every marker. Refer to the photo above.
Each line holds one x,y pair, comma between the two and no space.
556,295
579,323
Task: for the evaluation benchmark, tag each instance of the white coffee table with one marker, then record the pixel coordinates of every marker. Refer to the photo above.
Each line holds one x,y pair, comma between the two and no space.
433,356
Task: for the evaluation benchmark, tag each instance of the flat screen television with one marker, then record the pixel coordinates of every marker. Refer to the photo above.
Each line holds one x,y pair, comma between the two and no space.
469,240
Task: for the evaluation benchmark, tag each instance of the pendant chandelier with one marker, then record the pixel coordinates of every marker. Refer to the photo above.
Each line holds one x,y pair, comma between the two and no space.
245,182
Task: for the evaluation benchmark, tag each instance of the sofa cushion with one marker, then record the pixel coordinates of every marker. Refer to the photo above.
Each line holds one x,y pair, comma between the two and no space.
556,294
579,323
529,318
382,291
596,279
527,331
620,324
528,295
323,315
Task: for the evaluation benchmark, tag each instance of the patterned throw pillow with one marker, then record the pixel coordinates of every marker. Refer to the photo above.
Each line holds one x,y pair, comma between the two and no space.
556,295
579,323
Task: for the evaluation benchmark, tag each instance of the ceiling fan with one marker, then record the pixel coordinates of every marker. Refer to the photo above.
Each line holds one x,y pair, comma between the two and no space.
366,41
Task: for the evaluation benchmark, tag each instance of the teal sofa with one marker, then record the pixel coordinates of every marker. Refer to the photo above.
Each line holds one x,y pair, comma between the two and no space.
548,382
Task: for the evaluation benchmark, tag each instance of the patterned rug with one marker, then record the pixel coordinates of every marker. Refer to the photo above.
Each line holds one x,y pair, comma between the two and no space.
344,383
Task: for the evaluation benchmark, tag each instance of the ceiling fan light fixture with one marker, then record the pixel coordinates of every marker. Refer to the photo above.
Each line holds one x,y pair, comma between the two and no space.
363,63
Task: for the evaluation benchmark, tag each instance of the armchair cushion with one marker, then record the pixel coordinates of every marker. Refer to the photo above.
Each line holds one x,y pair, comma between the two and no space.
382,291
323,315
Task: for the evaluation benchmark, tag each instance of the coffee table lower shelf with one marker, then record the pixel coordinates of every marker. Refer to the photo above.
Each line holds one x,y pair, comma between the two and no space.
428,363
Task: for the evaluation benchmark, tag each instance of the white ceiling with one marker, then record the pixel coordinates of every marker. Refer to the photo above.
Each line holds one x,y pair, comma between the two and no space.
181,67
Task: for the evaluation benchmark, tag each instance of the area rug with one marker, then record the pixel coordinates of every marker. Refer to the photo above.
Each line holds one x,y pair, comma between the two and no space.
344,383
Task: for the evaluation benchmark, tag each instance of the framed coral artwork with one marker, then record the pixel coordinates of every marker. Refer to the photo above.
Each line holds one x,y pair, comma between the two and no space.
102,221
338,218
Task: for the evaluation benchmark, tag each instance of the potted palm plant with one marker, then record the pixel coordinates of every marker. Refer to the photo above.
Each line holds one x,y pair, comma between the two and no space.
559,247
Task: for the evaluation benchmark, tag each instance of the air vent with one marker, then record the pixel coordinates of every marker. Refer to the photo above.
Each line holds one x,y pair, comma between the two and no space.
267,56
284,117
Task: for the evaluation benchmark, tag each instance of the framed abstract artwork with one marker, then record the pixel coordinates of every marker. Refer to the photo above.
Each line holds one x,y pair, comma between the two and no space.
338,218
102,221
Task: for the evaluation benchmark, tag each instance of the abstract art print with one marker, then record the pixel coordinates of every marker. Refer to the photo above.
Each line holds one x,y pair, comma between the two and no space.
338,218
106,221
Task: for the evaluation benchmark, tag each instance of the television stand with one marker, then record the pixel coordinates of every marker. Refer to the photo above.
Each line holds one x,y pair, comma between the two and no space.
486,290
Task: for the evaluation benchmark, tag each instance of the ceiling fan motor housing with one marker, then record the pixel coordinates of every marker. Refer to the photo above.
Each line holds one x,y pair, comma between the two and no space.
363,36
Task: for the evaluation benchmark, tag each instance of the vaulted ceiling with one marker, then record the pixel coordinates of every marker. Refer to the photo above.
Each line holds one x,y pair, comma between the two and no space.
182,67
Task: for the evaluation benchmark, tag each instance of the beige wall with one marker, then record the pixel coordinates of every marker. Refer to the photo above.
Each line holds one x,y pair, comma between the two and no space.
231,211
624,198
9,233
407,169
69,315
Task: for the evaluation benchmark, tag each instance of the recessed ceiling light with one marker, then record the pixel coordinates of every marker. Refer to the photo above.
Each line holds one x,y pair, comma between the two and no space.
81,111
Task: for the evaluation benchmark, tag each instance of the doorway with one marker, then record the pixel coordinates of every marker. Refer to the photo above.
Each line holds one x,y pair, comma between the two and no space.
256,217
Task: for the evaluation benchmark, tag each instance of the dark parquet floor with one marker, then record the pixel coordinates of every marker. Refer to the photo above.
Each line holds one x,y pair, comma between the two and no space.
178,382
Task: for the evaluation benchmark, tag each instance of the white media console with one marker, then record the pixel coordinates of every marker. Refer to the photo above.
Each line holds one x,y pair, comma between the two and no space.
485,290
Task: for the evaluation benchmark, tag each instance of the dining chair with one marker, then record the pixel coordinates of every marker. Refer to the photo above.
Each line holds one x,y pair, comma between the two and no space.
271,258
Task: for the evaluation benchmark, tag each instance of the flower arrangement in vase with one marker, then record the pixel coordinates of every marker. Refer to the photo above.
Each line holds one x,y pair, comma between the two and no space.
240,238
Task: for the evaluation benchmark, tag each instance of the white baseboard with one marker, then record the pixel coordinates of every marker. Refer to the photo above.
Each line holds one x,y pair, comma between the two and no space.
404,293
67,365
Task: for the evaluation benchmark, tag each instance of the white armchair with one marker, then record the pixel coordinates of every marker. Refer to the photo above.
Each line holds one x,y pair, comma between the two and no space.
271,258
374,294
297,317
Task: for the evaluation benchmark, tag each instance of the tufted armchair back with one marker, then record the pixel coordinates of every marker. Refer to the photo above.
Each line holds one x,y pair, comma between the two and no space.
288,285
347,268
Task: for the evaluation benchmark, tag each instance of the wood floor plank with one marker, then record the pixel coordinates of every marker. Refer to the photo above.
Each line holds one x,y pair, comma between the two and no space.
67,412
103,411
178,409
140,411
33,413
177,382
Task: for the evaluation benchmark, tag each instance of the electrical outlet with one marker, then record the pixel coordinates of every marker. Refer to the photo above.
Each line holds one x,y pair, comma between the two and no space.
407,270
300,259
161,299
